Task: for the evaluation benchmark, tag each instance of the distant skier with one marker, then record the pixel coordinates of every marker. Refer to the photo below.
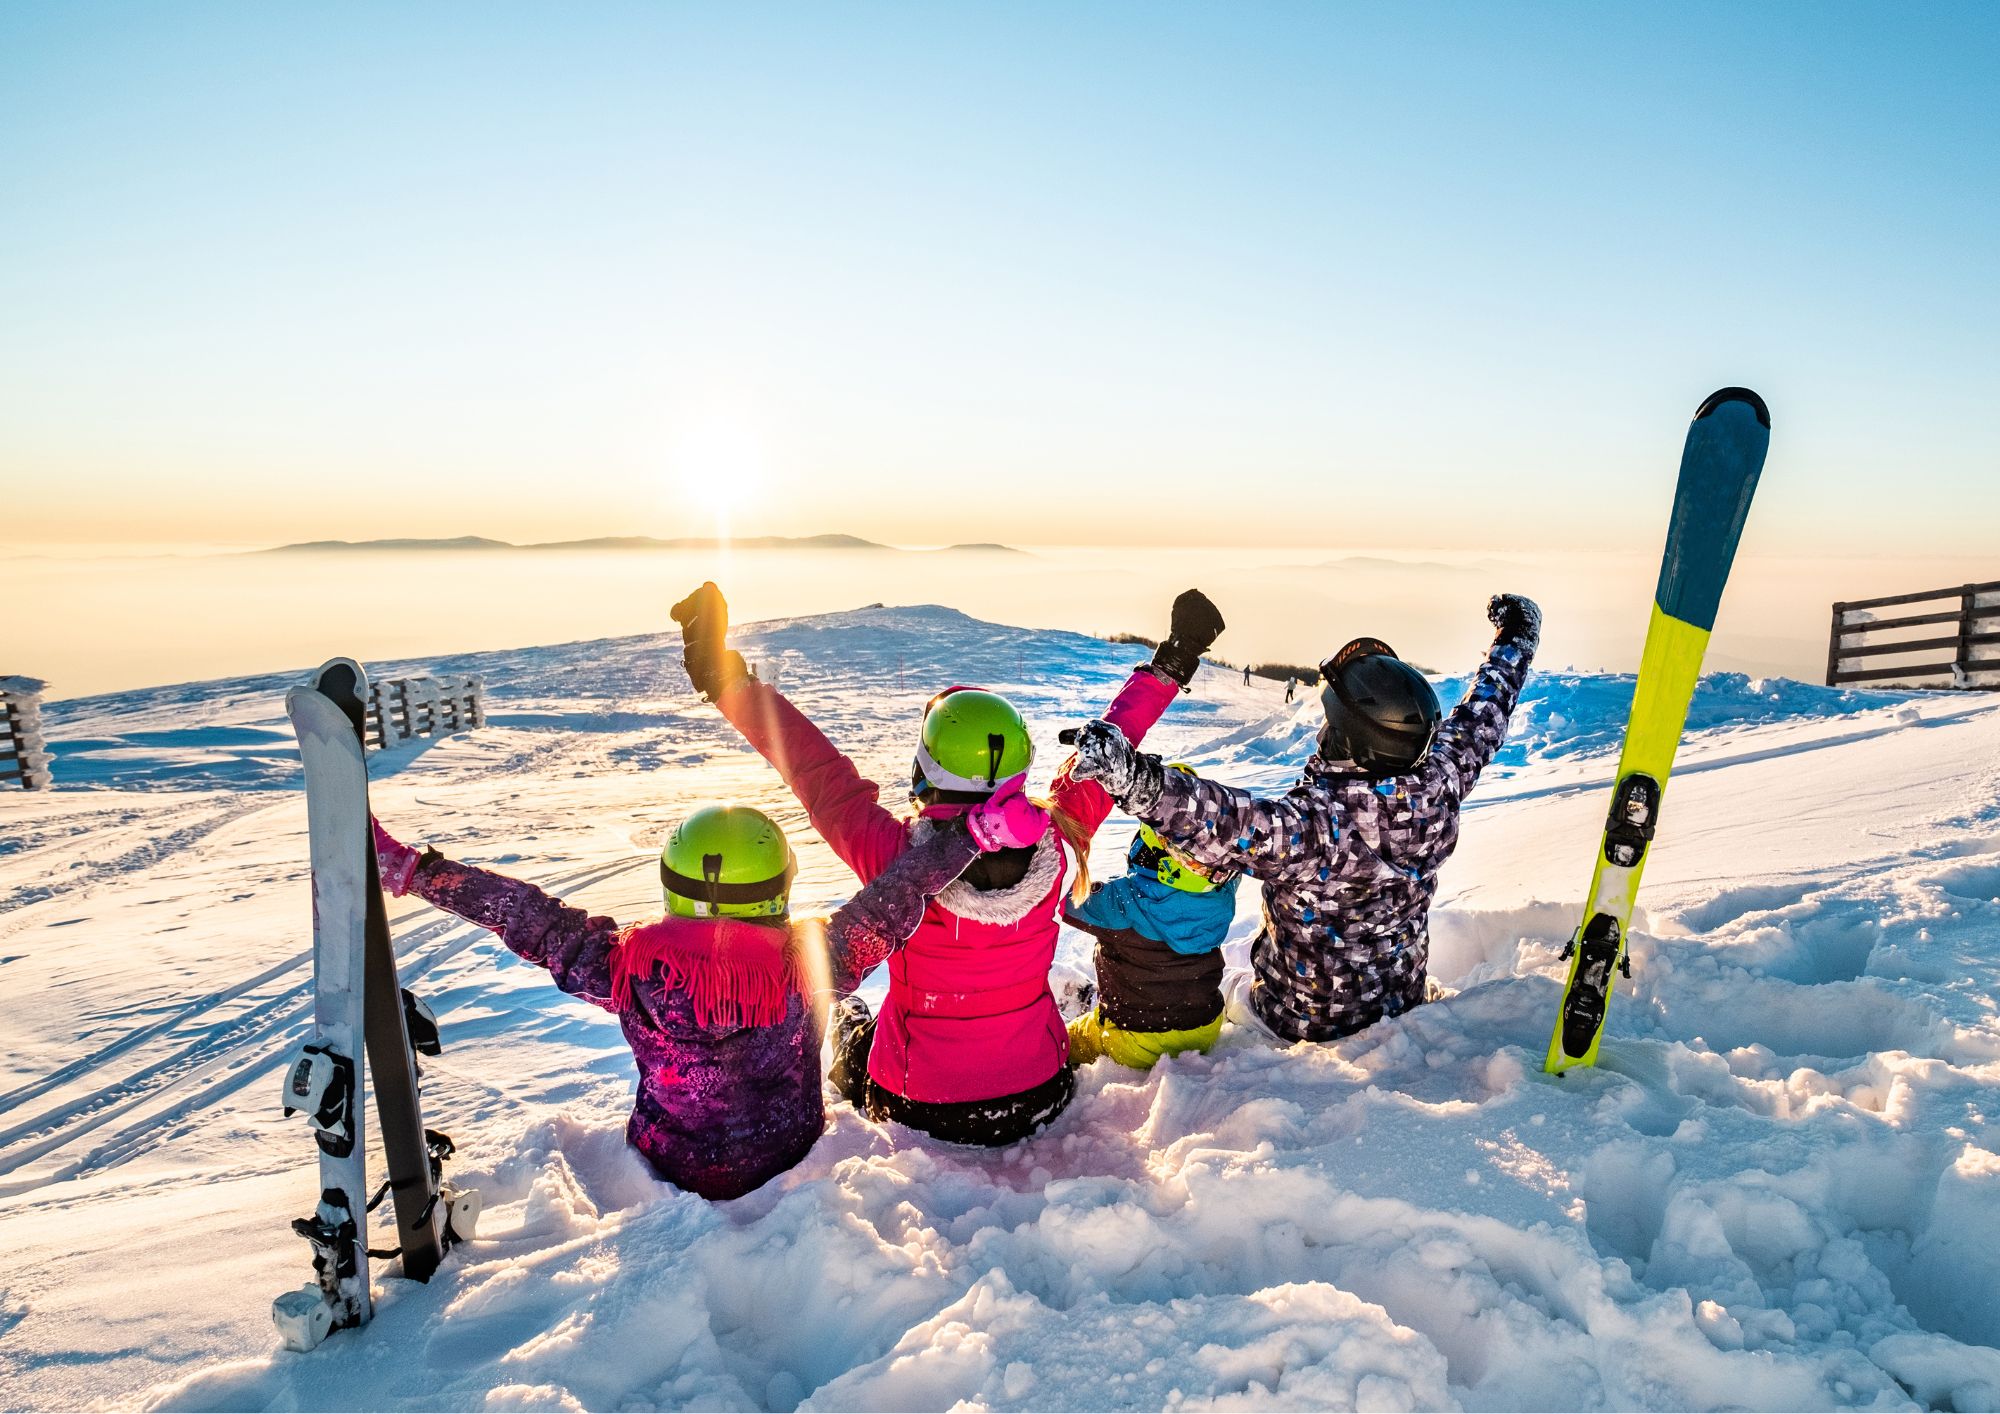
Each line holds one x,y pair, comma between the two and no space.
717,999
969,1046
1246,675
1291,689
1349,856
1160,927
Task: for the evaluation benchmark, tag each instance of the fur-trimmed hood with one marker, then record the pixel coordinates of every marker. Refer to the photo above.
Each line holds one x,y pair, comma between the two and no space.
1011,904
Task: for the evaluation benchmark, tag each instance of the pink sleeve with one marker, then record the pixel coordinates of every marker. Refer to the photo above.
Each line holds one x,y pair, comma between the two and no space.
844,805
1139,704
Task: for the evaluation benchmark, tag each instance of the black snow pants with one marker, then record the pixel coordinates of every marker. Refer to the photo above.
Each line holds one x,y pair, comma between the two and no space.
987,1123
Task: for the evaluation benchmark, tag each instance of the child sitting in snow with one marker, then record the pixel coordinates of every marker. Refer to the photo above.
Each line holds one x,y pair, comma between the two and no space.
717,998
969,1045
1159,927
1349,856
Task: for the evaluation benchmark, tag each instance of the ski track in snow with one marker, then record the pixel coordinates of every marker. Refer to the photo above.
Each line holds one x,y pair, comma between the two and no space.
1781,1189
160,835
221,1057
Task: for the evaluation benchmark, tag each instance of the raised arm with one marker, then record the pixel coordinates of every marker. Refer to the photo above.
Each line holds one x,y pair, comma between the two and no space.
1474,730
876,922
1139,704
845,807
574,946
1223,827
1213,824
1195,625
881,918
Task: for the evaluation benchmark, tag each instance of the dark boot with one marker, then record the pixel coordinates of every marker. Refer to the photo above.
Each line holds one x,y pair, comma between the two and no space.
853,1039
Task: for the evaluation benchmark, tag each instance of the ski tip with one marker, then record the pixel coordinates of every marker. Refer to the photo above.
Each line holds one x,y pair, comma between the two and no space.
341,678
1735,395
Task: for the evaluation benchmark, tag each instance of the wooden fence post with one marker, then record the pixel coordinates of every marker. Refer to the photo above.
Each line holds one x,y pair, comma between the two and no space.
24,756
1968,614
1833,644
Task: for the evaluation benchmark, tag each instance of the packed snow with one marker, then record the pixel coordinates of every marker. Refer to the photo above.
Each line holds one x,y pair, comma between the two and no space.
1780,1189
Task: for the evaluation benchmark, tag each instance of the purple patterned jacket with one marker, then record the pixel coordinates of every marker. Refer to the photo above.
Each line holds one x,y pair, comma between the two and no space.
721,1109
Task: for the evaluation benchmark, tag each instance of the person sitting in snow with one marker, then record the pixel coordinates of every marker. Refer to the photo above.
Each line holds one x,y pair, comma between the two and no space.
1159,927
969,1046
1348,858
717,999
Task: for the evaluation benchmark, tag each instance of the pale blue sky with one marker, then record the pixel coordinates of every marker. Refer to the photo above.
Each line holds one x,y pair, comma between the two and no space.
1442,275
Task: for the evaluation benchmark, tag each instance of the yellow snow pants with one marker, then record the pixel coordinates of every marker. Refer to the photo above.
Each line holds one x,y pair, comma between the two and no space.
1092,1036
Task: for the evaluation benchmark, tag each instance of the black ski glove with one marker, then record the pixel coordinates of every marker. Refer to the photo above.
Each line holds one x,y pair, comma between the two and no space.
1516,617
1197,623
1130,776
712,666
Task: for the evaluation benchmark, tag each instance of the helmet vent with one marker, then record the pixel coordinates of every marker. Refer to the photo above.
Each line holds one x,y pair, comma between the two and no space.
996,748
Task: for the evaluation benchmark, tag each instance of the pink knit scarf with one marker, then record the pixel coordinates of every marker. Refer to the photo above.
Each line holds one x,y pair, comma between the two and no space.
735,974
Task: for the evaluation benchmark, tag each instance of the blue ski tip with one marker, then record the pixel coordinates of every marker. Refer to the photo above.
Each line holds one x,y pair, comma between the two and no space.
1734,395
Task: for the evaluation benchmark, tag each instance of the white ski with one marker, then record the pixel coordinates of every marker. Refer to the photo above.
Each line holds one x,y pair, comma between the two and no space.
324,1081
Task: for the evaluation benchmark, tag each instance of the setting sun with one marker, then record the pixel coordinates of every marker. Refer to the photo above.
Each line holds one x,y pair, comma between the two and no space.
717,469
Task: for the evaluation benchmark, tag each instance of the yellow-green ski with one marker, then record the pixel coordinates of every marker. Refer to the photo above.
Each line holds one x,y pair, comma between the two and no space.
1719,469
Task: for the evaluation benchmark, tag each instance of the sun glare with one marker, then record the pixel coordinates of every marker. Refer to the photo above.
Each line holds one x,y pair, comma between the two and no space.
718,472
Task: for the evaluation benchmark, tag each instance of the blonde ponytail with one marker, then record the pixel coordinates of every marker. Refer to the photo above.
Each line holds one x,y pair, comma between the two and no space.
1078,840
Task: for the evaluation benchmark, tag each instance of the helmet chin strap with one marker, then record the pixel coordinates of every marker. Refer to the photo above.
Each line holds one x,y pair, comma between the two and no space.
711,876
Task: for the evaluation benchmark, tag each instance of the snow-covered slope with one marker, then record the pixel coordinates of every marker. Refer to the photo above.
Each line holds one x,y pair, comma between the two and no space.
1782,1188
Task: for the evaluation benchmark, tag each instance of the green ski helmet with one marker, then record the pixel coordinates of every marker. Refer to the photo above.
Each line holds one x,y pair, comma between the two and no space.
727,861
971,742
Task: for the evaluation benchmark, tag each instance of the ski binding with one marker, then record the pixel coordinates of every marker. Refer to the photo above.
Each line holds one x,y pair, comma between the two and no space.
1635,814
462,1207
320,1083
304,1318
422,1025
1589,994
307,1316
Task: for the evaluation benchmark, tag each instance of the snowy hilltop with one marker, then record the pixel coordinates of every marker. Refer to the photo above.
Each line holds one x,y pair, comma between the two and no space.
1779,1189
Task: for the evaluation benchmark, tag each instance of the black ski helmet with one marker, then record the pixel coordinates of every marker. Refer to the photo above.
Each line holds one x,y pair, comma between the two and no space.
1381,713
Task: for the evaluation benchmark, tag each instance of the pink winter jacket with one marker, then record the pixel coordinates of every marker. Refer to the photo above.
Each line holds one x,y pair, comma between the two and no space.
969,1015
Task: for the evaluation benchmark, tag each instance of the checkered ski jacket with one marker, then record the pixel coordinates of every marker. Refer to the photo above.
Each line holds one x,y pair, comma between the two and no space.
1348,861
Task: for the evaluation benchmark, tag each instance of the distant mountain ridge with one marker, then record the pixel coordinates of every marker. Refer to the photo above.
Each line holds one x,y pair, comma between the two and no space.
626,542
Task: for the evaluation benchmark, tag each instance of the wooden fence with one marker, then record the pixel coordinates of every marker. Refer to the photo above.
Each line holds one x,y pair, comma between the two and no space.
400,708
1911,646
24,756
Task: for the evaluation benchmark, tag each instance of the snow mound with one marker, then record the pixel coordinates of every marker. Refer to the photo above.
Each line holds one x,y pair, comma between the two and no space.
233,734
1781,1189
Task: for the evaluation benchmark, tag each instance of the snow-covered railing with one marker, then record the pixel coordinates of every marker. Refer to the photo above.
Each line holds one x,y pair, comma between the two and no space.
400,708
24,756
1862,638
